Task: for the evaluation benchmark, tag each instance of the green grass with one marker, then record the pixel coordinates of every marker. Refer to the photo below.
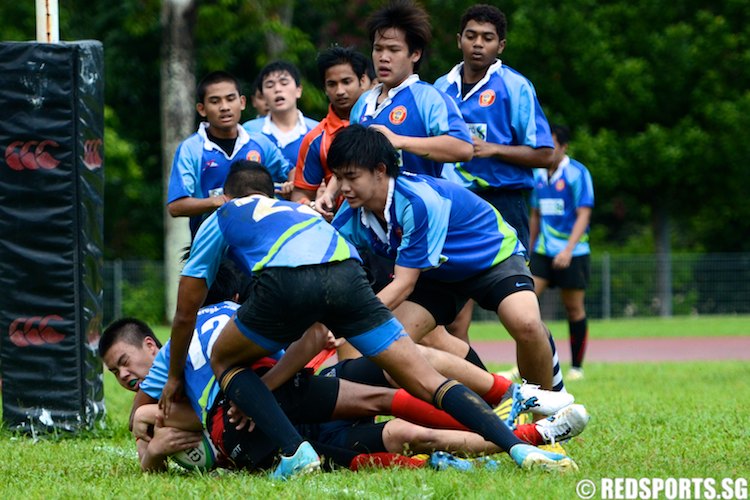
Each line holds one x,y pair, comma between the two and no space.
677,326
648,420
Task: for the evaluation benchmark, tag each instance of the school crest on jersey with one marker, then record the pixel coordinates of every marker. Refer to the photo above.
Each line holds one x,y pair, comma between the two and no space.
560,184
486,98
397,115
253,155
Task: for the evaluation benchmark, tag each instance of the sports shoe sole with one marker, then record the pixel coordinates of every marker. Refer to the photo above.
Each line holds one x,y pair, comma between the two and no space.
537,461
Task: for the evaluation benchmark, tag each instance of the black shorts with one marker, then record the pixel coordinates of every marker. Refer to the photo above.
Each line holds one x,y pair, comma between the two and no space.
360,436
360,370
284,302
575,277
444,300
305,399
512,205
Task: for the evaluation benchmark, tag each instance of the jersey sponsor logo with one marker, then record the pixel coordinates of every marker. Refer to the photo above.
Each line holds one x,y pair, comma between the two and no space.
397,115
552,206
31,155
478,130
91,157
560,184
36,330
253,155
487,98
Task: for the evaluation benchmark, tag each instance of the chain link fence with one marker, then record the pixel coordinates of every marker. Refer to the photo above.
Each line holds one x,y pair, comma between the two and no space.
620,286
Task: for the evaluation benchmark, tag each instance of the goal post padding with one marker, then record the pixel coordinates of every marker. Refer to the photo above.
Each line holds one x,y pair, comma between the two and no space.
51,234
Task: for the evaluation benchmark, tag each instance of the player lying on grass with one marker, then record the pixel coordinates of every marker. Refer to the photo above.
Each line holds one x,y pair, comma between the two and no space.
305,272
448,245
306,399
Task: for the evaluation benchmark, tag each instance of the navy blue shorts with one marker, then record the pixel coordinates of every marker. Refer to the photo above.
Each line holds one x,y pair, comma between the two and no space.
284,302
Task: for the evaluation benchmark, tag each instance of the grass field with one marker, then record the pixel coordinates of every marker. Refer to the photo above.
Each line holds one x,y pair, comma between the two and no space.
648,420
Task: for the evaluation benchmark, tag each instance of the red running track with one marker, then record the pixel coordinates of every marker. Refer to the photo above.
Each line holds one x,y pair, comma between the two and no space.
633,350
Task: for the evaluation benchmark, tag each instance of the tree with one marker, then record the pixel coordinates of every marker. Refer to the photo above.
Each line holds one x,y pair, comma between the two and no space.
177,123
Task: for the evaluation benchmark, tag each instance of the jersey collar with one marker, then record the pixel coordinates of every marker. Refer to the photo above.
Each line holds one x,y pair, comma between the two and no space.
372,108
242,138
454,77
285,138
560,170
369,220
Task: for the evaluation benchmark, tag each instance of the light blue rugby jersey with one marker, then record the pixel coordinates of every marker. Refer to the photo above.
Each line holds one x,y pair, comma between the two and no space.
200,166
414,108
289,144
557,199
433,225
258,232
502,108
200,384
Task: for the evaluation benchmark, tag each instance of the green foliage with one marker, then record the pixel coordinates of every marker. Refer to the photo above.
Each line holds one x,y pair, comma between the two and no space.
144,298
657,96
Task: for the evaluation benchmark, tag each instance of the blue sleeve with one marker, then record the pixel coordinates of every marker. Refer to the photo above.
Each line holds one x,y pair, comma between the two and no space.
184,179
347,223
441,114
583,189
313,173
207,250
157,375
355,116
273,159
424,221
530,125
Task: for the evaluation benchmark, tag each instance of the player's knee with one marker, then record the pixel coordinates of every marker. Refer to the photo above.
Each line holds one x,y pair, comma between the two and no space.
529,331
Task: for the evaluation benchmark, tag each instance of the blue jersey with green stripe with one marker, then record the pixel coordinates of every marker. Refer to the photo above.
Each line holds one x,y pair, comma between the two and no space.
558,198
200,385
502,108
258,232
434,225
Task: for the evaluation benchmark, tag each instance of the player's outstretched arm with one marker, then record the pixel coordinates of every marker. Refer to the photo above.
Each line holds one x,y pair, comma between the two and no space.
189,206
404,280
190,296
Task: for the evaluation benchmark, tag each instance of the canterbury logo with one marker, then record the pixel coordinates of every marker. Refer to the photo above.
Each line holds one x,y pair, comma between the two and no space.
34,331
91,157
31,155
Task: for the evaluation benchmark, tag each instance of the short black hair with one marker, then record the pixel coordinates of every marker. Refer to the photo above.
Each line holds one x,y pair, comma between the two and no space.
341,55
278,67
129,330
561,132
216,77
409,17
483,13
359,146
228,283
248,177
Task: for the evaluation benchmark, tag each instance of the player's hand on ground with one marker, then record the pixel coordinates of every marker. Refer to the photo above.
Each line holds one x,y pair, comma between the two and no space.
239,419
562,260
172,391
170,440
